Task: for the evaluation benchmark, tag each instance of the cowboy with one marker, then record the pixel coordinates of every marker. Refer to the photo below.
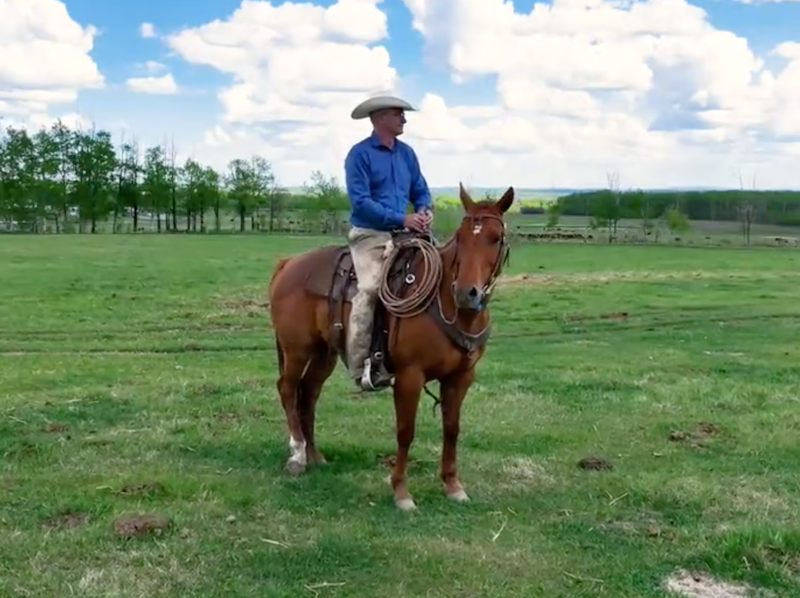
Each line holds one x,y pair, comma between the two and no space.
382,175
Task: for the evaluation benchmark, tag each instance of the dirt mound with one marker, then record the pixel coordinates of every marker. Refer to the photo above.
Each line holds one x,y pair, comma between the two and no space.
140,525
594,463
701,585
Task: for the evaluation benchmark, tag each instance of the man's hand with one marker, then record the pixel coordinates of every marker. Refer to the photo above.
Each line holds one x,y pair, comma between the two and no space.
417,222
428,215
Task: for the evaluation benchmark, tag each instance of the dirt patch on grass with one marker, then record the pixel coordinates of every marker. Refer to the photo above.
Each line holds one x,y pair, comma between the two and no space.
697,437
595,463
142,488
134,526
701,585
65,519
54,427
523,471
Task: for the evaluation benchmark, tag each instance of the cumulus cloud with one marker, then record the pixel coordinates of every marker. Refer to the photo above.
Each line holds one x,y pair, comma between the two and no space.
649,88
608,83
163,85
44,59
147,30
297,72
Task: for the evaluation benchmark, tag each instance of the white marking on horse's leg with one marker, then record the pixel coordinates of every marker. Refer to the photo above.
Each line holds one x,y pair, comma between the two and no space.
297,459
298,450
458,496
406,504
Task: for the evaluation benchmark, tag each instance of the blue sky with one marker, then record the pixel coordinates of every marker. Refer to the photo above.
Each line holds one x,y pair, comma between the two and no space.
120,47
664,125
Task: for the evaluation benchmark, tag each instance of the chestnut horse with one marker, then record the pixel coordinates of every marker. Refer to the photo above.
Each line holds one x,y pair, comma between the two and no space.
443,342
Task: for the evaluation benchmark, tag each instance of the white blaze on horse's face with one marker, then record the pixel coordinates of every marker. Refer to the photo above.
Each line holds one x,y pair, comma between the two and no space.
476,230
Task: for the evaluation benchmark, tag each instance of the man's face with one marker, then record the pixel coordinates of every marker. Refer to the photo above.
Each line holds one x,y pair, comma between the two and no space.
392,120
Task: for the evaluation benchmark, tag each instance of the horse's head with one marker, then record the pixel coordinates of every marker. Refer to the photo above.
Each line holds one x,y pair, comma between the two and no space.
481,249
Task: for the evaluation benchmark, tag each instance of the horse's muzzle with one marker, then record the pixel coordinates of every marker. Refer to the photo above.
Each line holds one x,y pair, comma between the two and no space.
470,297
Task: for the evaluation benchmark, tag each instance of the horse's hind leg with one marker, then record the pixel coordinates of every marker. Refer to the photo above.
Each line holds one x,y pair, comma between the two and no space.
292,365
319,370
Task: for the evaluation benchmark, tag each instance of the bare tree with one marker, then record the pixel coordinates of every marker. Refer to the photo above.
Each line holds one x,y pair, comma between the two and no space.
746,209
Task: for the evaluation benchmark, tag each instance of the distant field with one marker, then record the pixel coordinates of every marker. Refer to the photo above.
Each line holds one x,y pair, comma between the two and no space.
700,232
138,377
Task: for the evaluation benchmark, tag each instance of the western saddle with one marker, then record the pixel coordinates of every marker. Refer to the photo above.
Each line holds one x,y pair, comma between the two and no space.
336,280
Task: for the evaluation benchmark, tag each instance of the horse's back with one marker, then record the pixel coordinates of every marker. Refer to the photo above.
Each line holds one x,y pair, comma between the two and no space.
313,270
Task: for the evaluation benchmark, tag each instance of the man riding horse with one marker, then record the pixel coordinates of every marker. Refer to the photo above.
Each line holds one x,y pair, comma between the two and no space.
382,175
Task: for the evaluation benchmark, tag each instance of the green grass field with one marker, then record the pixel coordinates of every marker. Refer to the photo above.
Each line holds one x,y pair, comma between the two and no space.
138,377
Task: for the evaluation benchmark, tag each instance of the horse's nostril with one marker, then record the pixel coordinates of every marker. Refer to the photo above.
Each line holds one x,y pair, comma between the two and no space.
473,292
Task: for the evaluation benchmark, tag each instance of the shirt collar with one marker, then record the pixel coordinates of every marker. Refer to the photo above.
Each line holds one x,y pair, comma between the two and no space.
375,142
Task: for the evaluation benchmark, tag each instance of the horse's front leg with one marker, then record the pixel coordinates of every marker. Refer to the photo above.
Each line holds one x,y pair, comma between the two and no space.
407,388
454,390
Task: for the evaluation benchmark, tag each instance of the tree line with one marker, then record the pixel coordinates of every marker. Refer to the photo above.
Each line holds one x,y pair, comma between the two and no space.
763,207
61,179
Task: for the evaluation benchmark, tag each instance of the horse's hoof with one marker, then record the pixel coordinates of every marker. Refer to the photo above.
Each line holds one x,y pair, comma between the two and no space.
295,468
458,496
406,504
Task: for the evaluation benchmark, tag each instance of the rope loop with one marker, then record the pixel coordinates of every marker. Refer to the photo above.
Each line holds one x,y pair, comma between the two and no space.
427,281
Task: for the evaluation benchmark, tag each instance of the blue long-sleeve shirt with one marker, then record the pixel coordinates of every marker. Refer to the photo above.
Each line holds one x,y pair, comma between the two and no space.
380,182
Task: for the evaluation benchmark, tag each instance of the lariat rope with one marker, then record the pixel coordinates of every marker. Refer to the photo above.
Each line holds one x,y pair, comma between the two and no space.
421,294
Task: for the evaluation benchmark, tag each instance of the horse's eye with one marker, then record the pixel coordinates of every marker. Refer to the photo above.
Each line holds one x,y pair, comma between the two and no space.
494,239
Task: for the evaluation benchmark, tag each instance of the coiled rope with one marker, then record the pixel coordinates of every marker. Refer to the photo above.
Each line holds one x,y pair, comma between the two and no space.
427,280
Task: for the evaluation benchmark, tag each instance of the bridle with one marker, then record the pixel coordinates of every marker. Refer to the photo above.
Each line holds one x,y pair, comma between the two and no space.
503,256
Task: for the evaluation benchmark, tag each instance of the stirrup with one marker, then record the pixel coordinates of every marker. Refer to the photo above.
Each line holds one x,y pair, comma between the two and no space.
366,378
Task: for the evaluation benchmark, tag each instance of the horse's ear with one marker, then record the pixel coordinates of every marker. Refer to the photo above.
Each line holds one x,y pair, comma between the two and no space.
465,198
505,202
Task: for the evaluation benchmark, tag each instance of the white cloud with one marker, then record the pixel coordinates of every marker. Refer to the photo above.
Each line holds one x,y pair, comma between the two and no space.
44,59
153,67
649,88
298,70
147,30
164,85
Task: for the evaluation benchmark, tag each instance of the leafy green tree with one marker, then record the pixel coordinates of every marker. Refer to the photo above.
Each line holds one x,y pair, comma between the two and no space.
94,162
156,183
327,201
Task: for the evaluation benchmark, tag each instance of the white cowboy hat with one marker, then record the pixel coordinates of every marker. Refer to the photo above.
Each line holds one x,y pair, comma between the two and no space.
367,107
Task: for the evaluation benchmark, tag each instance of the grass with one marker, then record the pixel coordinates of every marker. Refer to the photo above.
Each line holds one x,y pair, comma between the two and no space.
147,360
